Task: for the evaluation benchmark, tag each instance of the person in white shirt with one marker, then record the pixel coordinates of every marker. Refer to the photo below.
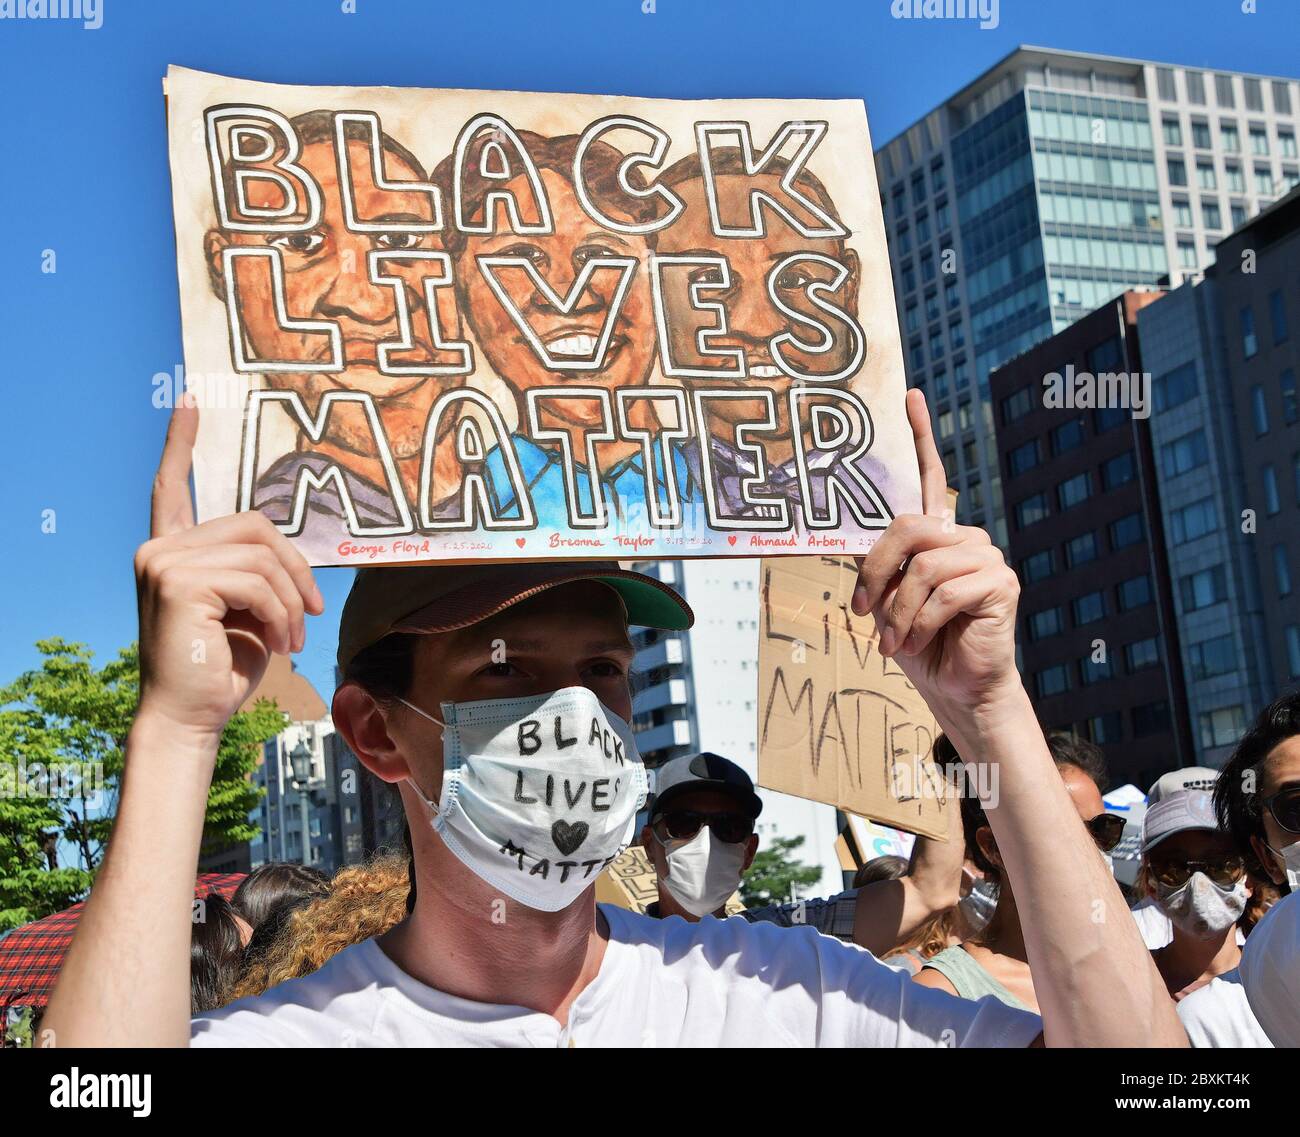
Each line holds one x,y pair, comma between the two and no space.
496,699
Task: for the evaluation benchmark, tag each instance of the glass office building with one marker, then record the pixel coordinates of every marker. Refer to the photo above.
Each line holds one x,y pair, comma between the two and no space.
1052,183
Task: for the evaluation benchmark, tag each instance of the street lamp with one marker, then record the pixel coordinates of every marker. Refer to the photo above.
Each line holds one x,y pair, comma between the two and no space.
300,761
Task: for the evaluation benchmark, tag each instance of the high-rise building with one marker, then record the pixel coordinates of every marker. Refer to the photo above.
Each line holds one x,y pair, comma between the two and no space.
698,691
299,818
1050,184
1223,355
1099,646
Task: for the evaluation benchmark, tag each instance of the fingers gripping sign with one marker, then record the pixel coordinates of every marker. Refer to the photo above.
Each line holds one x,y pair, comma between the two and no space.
942,596
215,599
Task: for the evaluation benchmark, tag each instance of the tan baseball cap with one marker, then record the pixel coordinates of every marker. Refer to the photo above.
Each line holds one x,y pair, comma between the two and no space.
441,598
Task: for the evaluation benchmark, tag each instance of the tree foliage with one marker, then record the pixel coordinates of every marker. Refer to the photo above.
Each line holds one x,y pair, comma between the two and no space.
63,730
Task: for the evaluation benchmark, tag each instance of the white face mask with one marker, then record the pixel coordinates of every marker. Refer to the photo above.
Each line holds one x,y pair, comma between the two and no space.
1289,855
702,871
1202,908
539,794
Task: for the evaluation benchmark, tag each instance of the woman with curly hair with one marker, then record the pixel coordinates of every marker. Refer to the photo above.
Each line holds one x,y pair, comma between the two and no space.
363,901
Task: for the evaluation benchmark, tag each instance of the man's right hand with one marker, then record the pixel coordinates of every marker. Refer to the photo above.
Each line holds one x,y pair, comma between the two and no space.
215,599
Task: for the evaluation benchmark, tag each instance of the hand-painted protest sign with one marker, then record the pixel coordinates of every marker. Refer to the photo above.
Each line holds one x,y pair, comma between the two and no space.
837,721
435,324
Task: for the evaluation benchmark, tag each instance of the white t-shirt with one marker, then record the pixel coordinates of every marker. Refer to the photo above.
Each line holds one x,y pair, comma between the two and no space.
1218,1015
662,983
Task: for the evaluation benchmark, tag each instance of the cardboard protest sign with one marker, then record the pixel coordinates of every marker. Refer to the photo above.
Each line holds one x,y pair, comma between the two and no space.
438,324
837,721
630,882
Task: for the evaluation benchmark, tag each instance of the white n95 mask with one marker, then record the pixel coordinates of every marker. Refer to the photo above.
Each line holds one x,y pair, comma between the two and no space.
539,793
1289,856
1202,908
702,871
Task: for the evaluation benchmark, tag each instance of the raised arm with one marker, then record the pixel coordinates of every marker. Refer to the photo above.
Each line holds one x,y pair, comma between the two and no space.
214,600
891,912
945,603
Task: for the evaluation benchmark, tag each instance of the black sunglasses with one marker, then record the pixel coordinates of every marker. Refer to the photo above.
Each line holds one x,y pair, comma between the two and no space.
683,824
1107,829
1285,808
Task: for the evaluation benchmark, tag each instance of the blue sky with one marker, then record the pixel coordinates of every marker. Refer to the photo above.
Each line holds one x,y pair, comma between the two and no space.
86,176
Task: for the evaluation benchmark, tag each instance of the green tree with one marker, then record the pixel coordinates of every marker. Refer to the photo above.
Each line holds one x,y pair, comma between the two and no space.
63,727
777,875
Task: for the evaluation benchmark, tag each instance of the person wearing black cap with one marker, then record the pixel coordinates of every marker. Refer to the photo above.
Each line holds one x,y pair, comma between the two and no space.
496,698
700,836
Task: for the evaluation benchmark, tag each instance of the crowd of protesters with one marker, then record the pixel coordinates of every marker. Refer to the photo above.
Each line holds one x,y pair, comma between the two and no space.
1011,932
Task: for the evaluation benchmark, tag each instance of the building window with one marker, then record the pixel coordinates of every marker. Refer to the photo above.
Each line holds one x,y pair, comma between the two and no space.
1205,175
1081,549
1073,491
912,321
1281,570
1223,91
1230,137
1104,729
1067,436
1210,215
1187,254
1165,84
1249,343
1254,94
1293,650
1183,213
1263,180
1105,418
1173,134
1195,87
1127,531
1259,410
1212,657
1238,212
1281,97
1141,654
1177,172
1089,608
931,306
1134,592
1036,567
1259,141
1153,718
1277,316
1286,143
1201,135
1094,671
1203,589
1183,454
1031,510
1193,521
1052,681
1015,406
1286,383
1235,179
1023,458
1176,387
1222,727
1272,500
1047,623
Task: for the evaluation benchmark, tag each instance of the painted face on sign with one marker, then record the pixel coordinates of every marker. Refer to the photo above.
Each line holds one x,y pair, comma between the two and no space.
559,258
753,319
326,278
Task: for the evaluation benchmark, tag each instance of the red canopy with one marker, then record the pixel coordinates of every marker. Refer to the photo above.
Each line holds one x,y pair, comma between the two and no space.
31,956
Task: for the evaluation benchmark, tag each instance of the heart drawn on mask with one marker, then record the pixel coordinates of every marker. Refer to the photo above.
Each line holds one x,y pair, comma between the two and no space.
568,837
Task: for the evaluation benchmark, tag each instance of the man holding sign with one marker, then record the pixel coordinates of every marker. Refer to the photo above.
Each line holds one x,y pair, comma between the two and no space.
497,700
